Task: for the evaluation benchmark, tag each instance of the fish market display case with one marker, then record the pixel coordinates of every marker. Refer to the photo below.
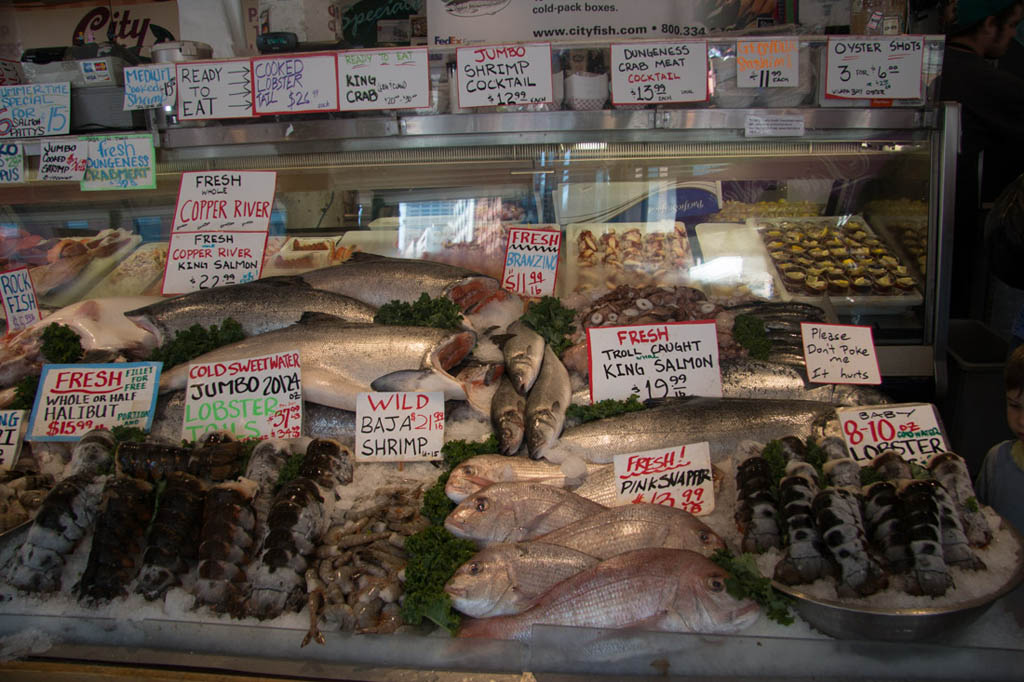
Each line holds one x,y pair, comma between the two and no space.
853,215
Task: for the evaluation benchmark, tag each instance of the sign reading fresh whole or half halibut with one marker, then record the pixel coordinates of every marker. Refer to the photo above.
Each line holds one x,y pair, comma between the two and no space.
531,261
383,79
656,73
875,67
911,429
399,427
19,299
840,354
666,360
504,75
12,426
73,399
677,477
258,397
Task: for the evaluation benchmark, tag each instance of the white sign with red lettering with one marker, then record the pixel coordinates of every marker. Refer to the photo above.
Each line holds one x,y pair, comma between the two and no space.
531,261
225,200
258,397
665,360
504,75
677,477
204,260
657,73
19,296
399,427
840,354
911,429
73,399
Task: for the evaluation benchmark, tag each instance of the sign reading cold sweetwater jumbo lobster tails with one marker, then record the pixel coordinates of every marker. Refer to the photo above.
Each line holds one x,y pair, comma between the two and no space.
73,399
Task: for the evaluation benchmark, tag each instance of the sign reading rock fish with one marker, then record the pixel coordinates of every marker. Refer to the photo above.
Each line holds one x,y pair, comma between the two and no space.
257,397
19,299
677,477
671,359
912,429
531,261
399,427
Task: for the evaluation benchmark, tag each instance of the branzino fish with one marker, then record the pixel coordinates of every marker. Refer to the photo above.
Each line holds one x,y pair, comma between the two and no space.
508,417
260,307
546,405
649,589
377,280
723,422
635,526
342,359
508,578
481,471
746,378
524,354
511,512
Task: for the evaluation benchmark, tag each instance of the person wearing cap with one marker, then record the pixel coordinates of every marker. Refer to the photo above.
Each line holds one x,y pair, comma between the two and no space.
992,112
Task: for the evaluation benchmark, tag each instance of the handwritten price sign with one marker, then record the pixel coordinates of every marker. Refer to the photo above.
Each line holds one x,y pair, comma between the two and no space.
504,75
767,63
64,159
257,397
399,427
656,73
12,424
677,477
531,261
73,399
862,67
19,298
911,429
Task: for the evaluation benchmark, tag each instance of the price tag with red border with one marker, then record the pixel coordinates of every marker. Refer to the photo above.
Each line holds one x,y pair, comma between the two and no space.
911,429
531,261
677,477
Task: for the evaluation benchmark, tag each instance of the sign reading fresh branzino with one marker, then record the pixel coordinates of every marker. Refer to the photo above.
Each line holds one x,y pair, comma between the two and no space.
531,261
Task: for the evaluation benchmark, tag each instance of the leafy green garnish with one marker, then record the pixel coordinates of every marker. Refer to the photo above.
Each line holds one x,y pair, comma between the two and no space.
746,582
61,344
439,312
750,333
918,472
132,434
972,504
196,340
436,505
816,457
553,321
776,460
434,556
603,408
290,470
25,393
869,475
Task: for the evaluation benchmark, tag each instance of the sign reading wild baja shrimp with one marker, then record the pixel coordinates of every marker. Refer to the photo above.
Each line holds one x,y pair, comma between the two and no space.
383,79
531,261
19,297
399,427
656,73
73,399
677,477
504,75
257,397
840,354
911,429
664,360
12,425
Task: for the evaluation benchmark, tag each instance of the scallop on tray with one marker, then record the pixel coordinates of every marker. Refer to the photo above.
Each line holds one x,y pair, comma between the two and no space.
607,255
840,257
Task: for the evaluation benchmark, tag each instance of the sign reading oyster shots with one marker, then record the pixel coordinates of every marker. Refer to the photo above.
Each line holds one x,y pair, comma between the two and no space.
73,399
768,63
531,261
504,75
875,67
12,425
911,429
654,361
35,110
294,84
840,354
152,86
399,427
19,297
677,477
220,228
656,73
214,89
12,163
120,162
63,159
258,397
383,79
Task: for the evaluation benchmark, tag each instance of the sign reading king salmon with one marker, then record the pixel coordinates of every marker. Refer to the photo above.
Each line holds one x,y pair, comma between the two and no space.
399,427
73,399
677,477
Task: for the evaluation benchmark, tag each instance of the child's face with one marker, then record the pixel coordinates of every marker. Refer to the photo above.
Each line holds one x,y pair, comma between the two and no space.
1015,412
